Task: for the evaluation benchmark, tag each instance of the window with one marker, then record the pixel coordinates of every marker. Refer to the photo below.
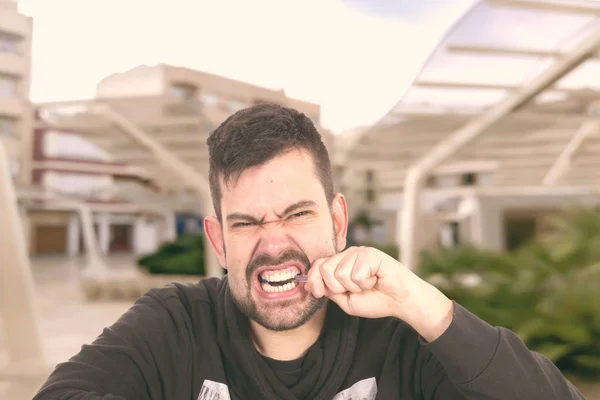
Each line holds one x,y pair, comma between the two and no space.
469,179
519,231
370,195
79,184
8,86
9,43
70,146
7,126
450,234
183,91
431,181
209,99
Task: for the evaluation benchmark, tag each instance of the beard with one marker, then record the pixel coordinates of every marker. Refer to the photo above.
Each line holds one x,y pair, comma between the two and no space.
282,315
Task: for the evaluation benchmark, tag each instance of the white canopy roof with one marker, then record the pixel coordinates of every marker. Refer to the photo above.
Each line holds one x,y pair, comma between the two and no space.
492,53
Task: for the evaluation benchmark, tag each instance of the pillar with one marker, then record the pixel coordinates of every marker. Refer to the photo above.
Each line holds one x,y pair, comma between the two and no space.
411,211
73,234
103,221
17,291
169,227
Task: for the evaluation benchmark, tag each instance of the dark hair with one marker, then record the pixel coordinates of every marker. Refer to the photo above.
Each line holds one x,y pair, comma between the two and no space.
256,135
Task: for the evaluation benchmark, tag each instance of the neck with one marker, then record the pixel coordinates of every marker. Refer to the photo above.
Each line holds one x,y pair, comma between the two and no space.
288,345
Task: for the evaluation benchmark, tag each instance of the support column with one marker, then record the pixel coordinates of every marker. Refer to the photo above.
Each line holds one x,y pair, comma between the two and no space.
17,292
73,234
103,232
139,233
399,213
411,212
477,223
91,242
26,223
169,231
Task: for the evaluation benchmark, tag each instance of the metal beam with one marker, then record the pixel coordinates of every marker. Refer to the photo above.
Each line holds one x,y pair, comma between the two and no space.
478,86
416,174
588,7
17,293
525,115
82,167
502,51
562,163
462,85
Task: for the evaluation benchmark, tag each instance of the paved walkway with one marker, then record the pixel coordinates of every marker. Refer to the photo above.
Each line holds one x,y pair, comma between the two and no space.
66,320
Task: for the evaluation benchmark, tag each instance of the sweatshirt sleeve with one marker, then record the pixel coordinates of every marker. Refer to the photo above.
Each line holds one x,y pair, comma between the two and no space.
483,361
129,360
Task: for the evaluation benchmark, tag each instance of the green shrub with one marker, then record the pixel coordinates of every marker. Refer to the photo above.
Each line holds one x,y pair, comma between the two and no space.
184,256
547,292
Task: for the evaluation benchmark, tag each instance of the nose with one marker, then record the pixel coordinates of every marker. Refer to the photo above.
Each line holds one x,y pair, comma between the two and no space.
274,239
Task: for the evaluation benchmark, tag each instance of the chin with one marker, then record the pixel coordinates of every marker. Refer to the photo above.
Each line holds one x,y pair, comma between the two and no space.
285,317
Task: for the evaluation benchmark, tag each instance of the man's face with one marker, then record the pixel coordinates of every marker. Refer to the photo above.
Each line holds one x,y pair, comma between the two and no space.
275,222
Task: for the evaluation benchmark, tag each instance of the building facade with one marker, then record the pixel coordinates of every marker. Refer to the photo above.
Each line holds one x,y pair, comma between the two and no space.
16,113
67,165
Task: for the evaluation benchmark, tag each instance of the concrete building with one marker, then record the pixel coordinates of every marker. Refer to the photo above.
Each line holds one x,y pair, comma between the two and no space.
211,90
15,70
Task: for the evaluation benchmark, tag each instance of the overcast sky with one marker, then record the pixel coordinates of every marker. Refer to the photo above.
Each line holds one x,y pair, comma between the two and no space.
354,57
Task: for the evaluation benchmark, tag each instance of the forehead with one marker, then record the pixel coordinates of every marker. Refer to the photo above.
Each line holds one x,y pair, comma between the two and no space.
274,185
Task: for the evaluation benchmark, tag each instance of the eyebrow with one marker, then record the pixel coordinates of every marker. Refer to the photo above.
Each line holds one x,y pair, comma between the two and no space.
296,206
243,217
236,216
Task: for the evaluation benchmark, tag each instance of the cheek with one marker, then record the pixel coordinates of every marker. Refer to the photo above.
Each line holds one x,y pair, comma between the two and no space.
238,253
316,238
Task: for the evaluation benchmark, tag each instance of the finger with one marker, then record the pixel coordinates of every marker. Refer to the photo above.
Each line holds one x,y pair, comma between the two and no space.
314,283
328,272
364,274
345,270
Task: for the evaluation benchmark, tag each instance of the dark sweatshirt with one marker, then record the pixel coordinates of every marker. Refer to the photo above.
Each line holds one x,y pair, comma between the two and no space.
191,342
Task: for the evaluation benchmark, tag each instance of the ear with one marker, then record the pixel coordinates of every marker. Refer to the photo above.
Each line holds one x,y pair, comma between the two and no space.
214,232
339,211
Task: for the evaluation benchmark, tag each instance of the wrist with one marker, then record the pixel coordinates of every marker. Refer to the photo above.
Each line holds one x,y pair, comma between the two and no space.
428,311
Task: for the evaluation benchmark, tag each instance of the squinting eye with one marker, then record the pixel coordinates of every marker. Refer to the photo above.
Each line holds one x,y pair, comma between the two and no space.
299,214
242,224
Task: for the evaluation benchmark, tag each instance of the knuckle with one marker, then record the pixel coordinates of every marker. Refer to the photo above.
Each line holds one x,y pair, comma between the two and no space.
357,276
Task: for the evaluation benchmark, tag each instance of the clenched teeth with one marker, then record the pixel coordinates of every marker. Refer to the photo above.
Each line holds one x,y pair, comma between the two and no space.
274,289
280,276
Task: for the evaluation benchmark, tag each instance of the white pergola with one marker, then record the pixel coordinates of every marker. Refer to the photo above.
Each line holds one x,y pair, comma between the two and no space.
158,138
511,92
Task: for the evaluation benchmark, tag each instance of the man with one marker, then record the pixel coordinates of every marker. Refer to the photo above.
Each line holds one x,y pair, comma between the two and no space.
362,327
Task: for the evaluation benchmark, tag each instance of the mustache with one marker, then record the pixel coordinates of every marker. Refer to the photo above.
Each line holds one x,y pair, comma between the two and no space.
264,259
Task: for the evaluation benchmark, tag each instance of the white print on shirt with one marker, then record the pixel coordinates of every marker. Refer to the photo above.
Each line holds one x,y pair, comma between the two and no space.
361,390
211,390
